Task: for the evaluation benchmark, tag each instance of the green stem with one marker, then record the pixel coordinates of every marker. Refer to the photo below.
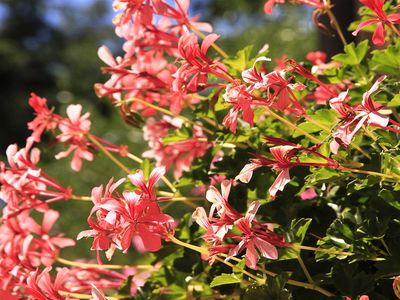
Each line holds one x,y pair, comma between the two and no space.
108,154
387,176
164,111
320,250
213,45
68,262
291,125
257,279
80,198
305,270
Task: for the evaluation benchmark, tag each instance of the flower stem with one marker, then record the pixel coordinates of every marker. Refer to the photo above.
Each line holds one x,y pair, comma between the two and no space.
214,45
305,270
108,154
97,266
80,198
257,279
320,250
164,111
394,177
77,295
291,125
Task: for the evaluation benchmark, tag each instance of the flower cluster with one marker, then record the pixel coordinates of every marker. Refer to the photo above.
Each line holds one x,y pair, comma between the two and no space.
214,120
74,131
220,226
117,220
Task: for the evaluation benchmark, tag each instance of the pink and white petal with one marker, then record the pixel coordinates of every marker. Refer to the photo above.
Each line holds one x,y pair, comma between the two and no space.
226,188
208,41
251,256
60,278
252,211
378,119
96,194
106,56
214,196
247,172
280,182
96,294
266,249
86,233
394,18
74,112
201,218
155,176
62,242
202,26
76,162
138,179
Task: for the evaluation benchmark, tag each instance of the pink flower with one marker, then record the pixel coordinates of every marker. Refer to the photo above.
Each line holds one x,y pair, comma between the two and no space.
241,101
396,287
381,20
73,133
117,220
251,241
318,58
270,4
308,194
193,73
279,91
24,185
41,287
285,157
44,120
179,154
224,221
355,118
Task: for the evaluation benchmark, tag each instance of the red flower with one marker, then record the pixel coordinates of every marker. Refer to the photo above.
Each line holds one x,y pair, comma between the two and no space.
73,133
381,20
193,73
44,120
241,101
251,241
355,118
179,154
285,157
41,287
117,220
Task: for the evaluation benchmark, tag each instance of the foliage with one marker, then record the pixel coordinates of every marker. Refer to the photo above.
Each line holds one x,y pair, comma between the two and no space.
261,180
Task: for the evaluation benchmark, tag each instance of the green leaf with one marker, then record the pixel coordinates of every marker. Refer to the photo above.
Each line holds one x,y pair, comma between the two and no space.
125,288
353,54
350,281
224,279
273,290
241,61
295,234
387,60
395,102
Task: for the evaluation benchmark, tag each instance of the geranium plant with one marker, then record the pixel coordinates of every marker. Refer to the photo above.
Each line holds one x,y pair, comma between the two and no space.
285,177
